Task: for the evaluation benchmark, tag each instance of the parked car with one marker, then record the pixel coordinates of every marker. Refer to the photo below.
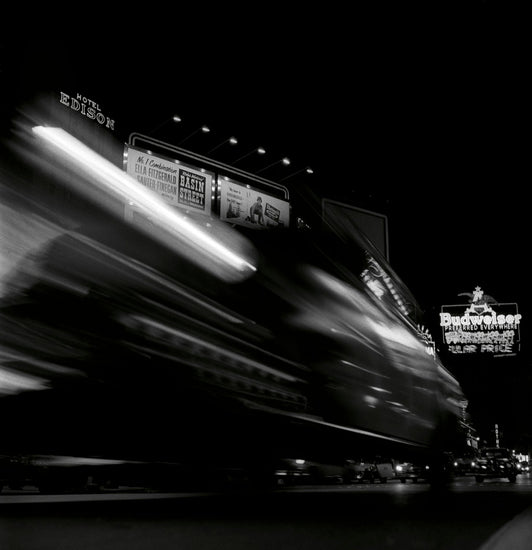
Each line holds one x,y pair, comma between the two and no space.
297,471
496,462
359,471
372,470
464,465
409,471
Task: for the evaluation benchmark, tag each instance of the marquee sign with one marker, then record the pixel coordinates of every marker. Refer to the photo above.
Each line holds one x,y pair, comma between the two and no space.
483,326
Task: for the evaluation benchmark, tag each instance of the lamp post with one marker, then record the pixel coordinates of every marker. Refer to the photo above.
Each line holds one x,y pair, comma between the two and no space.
259,150
307,169
284,160
204,129
175,118
232,141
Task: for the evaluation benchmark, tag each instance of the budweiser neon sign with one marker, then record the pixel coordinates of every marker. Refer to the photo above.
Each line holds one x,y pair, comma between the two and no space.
481,326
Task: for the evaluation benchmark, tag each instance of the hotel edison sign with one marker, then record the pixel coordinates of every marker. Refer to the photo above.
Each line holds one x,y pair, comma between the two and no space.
87,107
481,326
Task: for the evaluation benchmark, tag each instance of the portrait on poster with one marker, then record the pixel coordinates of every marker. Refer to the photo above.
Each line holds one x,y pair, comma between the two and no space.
252,208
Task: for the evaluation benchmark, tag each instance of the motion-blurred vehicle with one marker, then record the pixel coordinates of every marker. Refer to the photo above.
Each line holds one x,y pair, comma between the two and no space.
496,462
177,337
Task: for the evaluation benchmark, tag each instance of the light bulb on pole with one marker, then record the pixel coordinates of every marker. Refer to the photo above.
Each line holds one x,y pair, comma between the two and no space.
308,170
232,141
204,129
259,150
284,160
175,118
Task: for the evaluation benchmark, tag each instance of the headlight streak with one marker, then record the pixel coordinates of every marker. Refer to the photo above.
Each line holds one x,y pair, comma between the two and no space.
358,367
146,273
201,343
224,334
40,364
322,422
117,183
14,382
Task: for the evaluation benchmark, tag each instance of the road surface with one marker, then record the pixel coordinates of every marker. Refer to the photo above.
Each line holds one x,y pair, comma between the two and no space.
469,516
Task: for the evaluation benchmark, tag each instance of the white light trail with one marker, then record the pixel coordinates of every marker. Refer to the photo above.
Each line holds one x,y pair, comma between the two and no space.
187,237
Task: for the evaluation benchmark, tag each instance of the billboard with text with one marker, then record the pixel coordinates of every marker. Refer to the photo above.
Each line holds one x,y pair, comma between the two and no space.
177,184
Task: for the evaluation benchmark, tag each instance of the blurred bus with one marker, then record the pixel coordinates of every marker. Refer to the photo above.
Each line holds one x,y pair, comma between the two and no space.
174,337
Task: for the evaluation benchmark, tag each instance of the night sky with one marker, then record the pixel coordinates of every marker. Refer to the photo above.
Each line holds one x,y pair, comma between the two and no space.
428,130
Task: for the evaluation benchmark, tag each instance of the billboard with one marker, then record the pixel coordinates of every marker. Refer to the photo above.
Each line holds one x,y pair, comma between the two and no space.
243,205
178,184
481,326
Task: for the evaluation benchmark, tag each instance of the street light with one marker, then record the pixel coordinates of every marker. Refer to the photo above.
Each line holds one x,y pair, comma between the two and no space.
232,141
175,118
259,150
284,160
308,170
204,129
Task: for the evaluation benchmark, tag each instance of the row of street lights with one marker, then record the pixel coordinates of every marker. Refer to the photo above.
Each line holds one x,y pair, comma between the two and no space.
232,141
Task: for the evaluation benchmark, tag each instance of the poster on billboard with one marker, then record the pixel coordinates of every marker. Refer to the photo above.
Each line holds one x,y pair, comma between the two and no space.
177,184
242,205
482,326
